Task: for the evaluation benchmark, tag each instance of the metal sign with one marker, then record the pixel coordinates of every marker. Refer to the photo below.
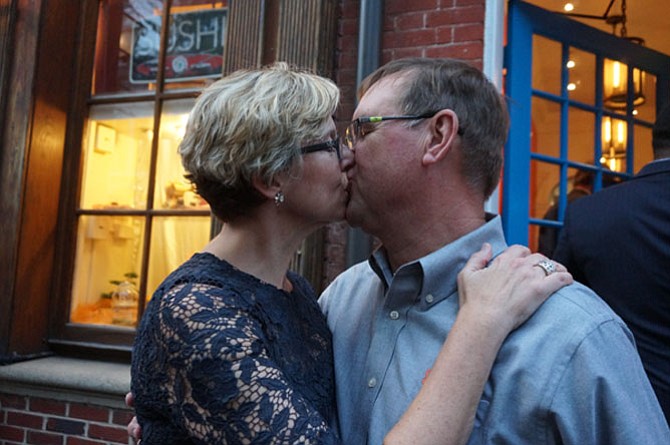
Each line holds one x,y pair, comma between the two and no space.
195,46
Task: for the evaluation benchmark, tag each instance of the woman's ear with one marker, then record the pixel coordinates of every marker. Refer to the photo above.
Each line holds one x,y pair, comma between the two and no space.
444,128
267,190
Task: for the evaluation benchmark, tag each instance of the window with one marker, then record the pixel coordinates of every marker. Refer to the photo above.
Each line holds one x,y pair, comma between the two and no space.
137,218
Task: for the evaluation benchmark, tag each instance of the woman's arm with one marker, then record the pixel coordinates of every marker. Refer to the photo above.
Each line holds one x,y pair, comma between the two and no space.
494,300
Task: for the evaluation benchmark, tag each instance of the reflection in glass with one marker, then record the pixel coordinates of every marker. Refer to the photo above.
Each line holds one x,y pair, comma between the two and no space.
196,42
126,33
614,140
128,45
107,261
615,84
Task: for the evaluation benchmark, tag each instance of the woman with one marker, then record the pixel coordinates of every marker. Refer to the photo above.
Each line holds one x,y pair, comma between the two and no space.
232,347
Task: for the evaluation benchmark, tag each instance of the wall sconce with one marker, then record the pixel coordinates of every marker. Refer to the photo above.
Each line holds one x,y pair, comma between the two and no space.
614,136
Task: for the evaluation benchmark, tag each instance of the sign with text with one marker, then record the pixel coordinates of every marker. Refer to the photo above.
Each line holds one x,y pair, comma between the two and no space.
195,46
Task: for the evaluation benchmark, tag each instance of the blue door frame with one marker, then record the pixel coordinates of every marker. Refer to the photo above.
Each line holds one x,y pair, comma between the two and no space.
524,21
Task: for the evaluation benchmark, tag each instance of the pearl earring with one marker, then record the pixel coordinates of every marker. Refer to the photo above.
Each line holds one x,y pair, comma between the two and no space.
279,198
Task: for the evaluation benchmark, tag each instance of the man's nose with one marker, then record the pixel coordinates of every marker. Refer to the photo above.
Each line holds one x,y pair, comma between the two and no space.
347,157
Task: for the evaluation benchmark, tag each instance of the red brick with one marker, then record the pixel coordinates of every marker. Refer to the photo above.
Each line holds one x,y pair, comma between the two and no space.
40,438
121,417
47,406
444,35
24,419
464,51
470,2
81,441
12,433
12,401
112,434
406,39
66,426
470,32
401,6
468,14
409,21
88,412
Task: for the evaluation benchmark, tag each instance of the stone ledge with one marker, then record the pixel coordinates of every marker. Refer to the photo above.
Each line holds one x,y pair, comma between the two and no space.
77,380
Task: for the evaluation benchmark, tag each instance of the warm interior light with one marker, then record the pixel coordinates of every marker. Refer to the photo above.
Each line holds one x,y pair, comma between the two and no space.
614,134
572,86
568,7
571,64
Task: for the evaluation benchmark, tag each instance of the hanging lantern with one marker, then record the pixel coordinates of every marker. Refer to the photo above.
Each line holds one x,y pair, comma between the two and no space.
615,82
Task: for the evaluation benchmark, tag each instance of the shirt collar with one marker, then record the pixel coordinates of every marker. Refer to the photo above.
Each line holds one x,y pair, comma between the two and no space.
437,271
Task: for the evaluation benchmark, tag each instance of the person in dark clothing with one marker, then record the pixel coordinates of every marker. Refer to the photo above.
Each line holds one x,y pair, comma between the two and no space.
617,242
582,185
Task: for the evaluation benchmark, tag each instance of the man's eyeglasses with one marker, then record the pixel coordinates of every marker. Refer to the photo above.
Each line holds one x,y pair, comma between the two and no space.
356,129
329,146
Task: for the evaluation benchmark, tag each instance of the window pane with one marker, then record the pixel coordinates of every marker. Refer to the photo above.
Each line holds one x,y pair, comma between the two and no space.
195,48
546,125
546,65
581,136
117,151
108,259
643,153
581,77
173,241
544,187
126,53
173,191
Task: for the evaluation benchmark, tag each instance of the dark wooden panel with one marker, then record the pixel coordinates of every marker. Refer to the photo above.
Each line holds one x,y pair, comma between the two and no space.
23,16
44,160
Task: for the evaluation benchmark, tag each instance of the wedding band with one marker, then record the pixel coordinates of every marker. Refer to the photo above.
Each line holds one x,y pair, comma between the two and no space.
547,266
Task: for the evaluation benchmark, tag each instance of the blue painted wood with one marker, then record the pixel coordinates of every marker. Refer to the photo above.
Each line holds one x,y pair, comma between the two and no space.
524,21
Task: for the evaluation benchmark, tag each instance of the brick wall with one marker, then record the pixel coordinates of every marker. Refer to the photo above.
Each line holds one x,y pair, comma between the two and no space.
41,421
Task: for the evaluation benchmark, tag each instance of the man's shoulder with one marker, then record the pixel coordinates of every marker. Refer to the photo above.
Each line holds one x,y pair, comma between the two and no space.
344,284
574,308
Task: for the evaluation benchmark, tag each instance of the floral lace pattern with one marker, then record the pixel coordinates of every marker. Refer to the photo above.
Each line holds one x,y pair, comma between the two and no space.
223,358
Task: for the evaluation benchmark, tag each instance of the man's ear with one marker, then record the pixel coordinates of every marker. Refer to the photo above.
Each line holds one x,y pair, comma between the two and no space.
267,190
444,129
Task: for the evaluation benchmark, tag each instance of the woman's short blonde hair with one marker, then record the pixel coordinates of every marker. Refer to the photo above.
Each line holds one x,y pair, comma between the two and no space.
252,123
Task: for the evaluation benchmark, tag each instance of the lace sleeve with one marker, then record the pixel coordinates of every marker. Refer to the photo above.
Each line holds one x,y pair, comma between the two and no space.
224,386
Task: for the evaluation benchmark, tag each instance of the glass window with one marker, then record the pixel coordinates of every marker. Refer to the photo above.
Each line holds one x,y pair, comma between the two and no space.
138,218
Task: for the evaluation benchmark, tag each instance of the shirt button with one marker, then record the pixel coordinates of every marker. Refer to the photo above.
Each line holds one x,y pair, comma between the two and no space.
429,298
372,382
394,315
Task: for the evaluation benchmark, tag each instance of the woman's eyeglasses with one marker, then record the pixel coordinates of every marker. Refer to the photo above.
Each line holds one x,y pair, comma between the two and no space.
329,146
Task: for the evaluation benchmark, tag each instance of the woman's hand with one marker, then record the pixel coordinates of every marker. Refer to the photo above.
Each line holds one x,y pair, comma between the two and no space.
510,289
133,428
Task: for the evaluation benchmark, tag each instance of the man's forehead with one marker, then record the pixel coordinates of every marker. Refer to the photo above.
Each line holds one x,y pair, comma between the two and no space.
381,97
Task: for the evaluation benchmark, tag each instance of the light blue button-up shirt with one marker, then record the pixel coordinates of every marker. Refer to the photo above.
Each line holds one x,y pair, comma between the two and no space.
570,375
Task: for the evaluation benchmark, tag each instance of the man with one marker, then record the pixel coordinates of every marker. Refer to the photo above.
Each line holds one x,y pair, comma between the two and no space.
427,137
618,243
582,185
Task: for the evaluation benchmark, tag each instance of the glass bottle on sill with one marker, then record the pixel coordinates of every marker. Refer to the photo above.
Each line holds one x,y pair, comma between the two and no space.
124,304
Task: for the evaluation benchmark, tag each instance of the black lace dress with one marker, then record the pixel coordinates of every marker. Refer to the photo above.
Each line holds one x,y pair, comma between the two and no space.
224,358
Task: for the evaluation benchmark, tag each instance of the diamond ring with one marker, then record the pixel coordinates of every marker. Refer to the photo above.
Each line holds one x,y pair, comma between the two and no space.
547,266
